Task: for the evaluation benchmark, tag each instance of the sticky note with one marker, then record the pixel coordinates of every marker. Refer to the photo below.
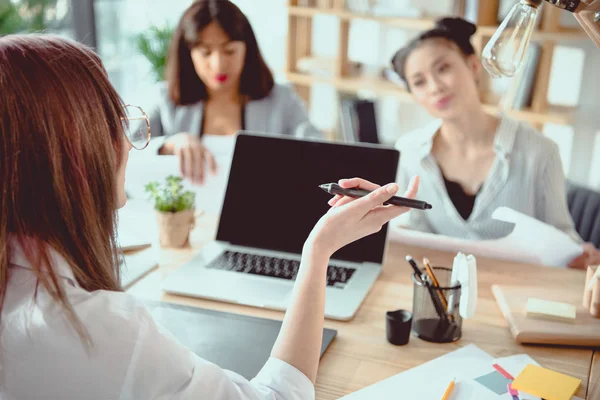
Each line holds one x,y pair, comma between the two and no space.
547,384
552,310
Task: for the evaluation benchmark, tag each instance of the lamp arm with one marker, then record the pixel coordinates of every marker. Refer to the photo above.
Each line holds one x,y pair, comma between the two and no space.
586,12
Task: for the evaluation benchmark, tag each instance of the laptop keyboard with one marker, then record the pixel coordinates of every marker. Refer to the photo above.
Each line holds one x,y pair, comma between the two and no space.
275,267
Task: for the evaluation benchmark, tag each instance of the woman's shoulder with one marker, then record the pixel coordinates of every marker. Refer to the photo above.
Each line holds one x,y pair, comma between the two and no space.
281,92
531,142
417,138
106,308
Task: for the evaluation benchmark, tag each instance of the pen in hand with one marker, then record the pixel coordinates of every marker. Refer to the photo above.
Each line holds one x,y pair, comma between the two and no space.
334,188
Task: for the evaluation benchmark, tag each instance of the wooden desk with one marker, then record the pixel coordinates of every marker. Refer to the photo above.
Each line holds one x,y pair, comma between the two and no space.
594,382
360,355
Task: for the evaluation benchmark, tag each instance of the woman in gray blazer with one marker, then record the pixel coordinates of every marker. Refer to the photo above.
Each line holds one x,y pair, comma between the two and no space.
217,83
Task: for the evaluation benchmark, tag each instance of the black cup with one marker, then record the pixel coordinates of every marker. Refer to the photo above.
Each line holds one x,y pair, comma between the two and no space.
398,326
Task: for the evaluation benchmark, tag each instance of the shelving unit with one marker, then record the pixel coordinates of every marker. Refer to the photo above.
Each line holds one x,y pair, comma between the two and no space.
300,43
427,23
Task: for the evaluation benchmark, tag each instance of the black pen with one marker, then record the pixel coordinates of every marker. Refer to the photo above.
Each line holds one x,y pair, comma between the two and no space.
413,264
334,188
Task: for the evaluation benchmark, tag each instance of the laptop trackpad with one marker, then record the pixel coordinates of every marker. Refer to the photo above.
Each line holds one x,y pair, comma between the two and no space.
247,289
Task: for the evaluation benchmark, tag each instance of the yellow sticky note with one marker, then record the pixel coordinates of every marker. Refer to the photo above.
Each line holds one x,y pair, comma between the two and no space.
552,310
547,384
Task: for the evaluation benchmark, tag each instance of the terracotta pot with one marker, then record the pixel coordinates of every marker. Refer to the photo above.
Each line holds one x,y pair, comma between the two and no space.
174,228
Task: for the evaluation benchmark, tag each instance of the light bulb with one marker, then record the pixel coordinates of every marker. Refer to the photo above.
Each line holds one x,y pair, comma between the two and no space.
504,53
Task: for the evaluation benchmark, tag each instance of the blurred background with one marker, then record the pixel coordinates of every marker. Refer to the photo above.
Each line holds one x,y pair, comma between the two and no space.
336,50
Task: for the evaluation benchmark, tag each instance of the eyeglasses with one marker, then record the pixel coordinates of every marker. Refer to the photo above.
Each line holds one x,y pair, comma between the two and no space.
136,126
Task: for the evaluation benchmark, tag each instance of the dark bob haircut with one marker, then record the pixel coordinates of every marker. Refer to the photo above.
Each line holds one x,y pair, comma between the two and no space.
184,85
456,30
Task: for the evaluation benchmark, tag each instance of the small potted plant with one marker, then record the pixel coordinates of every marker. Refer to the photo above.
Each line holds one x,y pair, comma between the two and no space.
174,210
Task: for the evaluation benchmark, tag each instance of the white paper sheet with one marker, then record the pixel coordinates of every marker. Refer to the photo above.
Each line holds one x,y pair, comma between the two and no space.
430,380
143,168
137,265
136,225
531,241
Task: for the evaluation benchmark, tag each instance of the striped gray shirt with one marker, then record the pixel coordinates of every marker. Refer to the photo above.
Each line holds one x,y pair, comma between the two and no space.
526,175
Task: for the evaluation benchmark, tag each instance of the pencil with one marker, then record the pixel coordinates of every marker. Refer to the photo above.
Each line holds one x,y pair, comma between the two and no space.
435,282
449,389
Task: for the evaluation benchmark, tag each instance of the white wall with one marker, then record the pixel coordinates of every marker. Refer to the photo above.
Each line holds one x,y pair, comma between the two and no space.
587,122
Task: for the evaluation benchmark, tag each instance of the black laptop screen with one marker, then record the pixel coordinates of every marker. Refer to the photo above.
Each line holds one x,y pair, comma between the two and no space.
273,198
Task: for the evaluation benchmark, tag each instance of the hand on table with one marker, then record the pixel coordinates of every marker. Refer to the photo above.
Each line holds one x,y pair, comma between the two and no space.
194,158
590,256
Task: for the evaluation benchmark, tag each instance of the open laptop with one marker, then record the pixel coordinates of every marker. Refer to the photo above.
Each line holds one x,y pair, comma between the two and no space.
271,204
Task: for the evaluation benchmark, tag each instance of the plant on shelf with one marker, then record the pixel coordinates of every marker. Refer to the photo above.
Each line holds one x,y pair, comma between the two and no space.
28,16
175,210
154,44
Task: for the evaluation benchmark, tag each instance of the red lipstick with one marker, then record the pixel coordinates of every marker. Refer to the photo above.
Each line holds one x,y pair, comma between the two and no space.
443,102
221,78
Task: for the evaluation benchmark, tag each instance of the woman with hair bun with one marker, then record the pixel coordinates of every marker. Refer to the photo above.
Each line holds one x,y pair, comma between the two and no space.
471,162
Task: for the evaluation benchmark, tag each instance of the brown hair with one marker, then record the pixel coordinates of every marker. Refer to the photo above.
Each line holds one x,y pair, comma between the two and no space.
60,147
456,30
184,85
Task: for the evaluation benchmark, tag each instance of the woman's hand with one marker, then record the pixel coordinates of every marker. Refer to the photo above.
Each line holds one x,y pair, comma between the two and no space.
590,256
193,156
350,219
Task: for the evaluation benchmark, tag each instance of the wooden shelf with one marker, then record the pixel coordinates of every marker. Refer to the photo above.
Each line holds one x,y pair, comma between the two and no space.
400,22
565,34
380,87
549,34
352,85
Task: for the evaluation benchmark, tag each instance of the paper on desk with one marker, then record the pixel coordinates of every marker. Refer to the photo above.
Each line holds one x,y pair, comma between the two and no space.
144,168
531,241
136,225
137,265
429,380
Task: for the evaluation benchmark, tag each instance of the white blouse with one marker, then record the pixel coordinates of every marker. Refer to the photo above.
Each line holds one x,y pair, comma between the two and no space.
526,175
42,357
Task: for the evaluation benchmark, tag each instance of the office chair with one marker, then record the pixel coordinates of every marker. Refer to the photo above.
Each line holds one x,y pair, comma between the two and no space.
584,206
358,121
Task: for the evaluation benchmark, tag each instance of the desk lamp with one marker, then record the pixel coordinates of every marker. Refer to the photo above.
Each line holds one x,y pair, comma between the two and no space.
504,53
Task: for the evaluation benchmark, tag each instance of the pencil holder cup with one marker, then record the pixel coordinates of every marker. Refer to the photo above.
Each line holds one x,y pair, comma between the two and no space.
436,314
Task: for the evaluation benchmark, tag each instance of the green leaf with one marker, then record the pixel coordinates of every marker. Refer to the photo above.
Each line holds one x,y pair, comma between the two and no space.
154,45
170,196
10,20
26,15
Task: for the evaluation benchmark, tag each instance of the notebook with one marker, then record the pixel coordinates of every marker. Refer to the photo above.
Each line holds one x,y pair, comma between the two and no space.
234,342
512,300
135,266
